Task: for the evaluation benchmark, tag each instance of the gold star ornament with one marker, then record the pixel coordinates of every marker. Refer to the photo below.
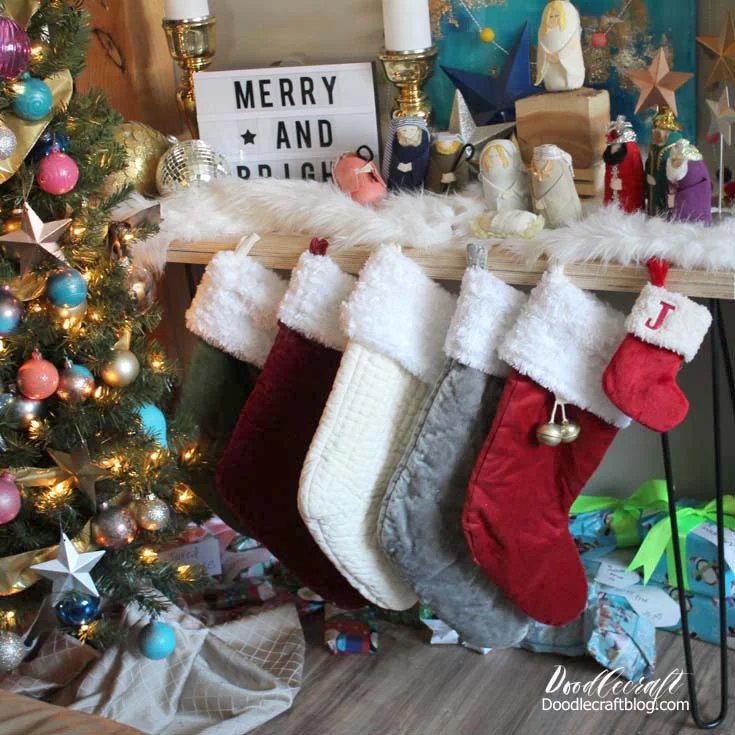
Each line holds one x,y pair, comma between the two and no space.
658,84
36,236
722,47
723,116
79,468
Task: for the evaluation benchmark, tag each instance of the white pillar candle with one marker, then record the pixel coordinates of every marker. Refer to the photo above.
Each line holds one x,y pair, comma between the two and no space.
181,9
407,25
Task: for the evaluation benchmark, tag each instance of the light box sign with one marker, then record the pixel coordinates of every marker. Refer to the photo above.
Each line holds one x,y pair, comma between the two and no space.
287,122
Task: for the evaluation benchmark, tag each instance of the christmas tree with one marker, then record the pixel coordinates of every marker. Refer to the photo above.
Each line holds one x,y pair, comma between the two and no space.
86,451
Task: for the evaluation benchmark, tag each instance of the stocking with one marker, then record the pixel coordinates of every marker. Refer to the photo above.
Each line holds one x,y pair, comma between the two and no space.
515,517
235,316
420,524
664,330
259,473
396,321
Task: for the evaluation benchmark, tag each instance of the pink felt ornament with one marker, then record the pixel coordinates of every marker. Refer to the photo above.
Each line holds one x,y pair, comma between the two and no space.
10,500
15,49
37,378
359,177
57,173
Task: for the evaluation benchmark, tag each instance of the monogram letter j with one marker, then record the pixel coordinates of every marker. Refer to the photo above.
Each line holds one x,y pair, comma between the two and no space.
665,309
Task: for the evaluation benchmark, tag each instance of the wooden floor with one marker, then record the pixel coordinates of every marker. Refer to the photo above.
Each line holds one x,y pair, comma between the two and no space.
411,688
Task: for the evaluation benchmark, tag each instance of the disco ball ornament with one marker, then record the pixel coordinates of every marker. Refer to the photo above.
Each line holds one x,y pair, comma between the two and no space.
78,610
142,288
33,100
48,143
8,142
152,513
121,369
11,312
66,317
12,651
15,49
66,288
57,174
76,383
157,640
144,147
10,498
37,378
21,411
113,528
187,164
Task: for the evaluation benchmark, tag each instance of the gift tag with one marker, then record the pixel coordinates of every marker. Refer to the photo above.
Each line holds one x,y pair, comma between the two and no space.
653,604
708,531
202,553
615,574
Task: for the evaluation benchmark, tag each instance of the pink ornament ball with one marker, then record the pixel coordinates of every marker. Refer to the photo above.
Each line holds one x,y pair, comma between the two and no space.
38,378
599,40
15,49
57,174
10,500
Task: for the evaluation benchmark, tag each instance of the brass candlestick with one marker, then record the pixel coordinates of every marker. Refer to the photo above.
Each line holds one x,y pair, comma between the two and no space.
409,71
192,43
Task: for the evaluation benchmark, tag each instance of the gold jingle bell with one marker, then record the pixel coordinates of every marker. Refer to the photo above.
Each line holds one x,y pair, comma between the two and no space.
550,434
570,432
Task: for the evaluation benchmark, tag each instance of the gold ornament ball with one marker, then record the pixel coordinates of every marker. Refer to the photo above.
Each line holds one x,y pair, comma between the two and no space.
570,432
487,35
152,514
66,317
549,434
142,287
113,528
144,147
121,369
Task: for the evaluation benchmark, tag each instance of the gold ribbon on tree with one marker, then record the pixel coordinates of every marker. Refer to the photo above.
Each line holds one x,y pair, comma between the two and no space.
28,132
15,572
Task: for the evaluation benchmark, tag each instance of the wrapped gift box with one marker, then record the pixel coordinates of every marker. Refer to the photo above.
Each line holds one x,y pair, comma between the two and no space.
704,618
350,632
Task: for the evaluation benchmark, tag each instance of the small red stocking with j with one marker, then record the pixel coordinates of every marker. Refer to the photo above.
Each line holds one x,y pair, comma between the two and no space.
664,330
550,433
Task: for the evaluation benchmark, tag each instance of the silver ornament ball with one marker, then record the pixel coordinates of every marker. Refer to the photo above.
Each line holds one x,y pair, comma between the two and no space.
142,288
121,369
8,142
75,386
20,410
113,528
152,514
187,164
12,651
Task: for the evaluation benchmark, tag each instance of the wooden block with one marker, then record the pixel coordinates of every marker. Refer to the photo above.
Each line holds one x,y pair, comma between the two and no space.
575,121
590,182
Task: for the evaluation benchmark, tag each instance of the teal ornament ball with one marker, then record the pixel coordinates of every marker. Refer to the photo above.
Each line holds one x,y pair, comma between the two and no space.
66,288
11,312
154,423
33,100
157,640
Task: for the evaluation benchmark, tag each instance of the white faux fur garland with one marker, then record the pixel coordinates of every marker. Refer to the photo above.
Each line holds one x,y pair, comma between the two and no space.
227,210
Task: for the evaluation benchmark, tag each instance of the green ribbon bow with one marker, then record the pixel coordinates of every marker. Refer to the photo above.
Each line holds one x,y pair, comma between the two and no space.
658,541
651,496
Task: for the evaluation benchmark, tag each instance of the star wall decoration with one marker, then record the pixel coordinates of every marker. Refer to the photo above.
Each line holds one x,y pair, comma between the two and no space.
723,48
80,469
34,237
248,137
70,571
492,99
723,116
658,84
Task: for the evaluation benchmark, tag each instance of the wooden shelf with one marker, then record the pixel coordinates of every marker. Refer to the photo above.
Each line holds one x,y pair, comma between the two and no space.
282,252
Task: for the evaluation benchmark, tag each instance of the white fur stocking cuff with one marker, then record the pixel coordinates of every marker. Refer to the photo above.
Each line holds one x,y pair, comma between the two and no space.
669,320
235,307
398,311
486,310
312,303
564,339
